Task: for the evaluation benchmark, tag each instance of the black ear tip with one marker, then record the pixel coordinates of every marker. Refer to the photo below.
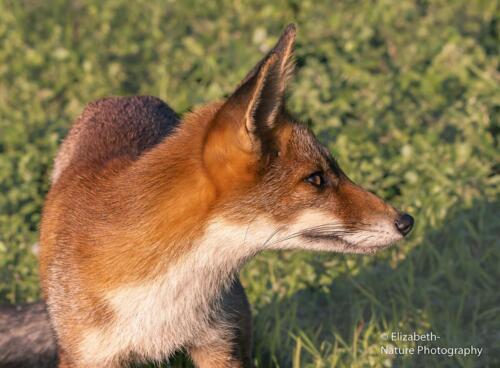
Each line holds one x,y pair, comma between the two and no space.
290,30
287,38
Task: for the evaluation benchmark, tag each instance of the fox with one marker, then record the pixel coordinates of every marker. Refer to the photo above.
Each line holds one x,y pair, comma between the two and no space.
150,217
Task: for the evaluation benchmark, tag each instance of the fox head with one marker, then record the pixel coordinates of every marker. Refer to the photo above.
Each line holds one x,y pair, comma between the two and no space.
273,176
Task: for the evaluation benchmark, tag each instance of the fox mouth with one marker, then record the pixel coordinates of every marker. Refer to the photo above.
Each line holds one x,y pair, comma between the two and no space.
344,238
312,235
348,246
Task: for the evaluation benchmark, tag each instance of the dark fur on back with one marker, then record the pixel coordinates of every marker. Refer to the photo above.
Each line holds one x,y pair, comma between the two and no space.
113,127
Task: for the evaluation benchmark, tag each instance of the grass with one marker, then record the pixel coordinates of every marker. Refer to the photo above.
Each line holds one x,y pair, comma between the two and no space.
404,93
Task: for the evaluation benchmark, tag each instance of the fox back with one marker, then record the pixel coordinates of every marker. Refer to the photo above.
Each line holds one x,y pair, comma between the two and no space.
149,220
114,127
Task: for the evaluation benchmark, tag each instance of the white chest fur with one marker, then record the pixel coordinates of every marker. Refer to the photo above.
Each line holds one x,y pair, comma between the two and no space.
155,318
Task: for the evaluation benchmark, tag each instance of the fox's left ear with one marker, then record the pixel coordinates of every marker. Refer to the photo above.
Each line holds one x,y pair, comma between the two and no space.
258,100
284,52
241,133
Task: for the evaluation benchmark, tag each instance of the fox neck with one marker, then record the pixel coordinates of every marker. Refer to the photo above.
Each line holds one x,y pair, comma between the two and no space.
222,250
170,215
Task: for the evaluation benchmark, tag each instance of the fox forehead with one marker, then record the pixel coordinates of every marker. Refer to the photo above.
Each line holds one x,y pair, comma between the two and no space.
300,146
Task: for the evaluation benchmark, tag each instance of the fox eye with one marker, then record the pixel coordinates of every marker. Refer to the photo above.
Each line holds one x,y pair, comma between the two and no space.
316,179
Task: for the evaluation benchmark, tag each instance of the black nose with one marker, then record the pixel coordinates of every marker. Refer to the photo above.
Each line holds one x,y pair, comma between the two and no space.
404,224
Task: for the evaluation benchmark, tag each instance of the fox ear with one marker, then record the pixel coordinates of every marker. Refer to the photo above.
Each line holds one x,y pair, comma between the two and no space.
259,98
241,131
284,49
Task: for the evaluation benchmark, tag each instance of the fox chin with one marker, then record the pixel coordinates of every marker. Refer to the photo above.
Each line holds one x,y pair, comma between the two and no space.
150,217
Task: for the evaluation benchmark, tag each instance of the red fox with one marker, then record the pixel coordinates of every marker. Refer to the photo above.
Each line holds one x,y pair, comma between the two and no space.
149,219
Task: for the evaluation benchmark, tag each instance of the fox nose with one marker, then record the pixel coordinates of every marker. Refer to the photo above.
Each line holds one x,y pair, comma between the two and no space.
404,224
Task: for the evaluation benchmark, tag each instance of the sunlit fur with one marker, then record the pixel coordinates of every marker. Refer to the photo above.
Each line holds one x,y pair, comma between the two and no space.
149,219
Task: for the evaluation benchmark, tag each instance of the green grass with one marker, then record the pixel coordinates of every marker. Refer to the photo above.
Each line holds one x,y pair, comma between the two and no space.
406,95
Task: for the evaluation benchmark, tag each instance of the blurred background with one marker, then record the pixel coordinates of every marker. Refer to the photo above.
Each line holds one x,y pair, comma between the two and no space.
405,93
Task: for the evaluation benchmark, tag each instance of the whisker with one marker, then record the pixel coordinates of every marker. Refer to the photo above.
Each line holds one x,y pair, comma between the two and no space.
334,230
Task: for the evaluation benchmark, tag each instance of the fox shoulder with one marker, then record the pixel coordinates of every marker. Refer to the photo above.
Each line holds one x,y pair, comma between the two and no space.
114,126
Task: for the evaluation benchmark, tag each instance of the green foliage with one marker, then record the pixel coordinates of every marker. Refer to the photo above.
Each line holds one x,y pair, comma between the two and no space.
405,93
